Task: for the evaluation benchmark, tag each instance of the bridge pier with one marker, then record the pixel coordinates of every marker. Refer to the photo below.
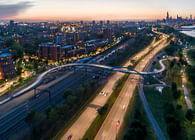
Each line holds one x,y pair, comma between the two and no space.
35,92
49,91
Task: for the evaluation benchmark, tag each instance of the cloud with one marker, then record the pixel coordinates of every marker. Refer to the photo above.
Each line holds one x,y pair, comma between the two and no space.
10,10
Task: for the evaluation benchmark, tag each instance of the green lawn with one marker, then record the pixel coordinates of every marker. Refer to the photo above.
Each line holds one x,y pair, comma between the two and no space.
156,102
129,118
190,57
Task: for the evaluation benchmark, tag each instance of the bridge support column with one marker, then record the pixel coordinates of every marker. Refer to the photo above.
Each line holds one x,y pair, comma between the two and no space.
49,91
35,92
74,69
85,71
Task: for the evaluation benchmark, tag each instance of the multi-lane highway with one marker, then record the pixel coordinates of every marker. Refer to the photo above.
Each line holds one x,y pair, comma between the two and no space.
81,125
12,113
41,77
12,120
108,128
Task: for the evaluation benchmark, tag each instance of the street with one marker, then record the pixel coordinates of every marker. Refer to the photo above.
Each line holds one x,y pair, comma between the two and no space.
116,113
81,125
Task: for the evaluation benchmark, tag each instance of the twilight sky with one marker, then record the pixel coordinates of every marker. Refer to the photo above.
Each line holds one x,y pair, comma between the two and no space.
93,9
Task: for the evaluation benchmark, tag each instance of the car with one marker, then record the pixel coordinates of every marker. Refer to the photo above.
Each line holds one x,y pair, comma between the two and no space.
69,137
97,109
37,95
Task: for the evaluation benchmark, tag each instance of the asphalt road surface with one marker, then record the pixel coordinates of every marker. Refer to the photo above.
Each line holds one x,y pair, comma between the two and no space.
186,92
81,125
108,129
12,113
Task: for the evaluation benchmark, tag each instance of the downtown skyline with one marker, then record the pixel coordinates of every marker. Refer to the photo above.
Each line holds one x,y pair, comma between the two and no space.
66,10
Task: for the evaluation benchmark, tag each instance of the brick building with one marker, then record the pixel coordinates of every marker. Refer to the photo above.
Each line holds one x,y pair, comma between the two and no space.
49,51
6,65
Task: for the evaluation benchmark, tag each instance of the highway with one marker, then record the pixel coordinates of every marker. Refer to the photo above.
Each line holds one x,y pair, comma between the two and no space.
41,77
12,113
81,125
108,129
12,120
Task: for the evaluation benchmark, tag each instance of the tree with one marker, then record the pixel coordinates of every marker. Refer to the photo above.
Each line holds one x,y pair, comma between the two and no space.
190,115
30,117
30,48
35,65
9,42
103,110
47,112
19,67
177,94
193,91
67,92
17,51
191,74
154,63
173,86
71,100
173,128
170,50
62,110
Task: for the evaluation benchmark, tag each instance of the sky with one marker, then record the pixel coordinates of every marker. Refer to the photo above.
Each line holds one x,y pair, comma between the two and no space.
94,9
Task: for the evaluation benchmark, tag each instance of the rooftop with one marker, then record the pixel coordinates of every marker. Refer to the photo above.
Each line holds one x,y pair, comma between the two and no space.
1,42
68,46
49,44
91,41
4,55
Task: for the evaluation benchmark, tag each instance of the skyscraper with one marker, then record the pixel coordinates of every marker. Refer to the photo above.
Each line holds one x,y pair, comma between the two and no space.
190,17
167,18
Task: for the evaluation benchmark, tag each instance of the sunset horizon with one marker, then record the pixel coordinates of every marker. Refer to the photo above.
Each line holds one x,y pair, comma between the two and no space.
75,10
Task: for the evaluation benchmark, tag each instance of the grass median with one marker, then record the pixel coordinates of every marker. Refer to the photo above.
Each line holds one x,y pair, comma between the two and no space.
97,123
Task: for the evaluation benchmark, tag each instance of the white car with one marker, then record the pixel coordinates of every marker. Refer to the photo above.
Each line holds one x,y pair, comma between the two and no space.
124,107
105,94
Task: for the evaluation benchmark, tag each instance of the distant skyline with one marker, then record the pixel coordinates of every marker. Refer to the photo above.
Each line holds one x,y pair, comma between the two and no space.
41,10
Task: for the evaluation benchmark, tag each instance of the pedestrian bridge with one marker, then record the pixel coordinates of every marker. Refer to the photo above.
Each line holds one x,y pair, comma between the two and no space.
126,70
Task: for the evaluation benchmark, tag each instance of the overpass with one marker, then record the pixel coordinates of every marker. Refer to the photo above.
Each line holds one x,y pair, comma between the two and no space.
40,78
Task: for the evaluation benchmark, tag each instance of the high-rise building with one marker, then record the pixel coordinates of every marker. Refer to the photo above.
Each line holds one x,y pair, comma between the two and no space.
101,23
93,22
108,33
108,22
11,23
167,18
191,18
